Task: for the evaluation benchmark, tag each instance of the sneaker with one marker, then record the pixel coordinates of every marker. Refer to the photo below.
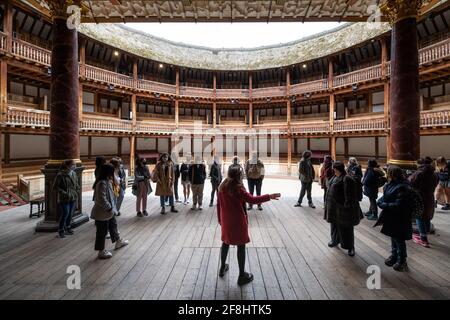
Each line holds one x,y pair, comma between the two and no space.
163,210
211,204
172,209
250,207
104,254
311,205
61,234
422,242
118,213
372,217
139,214
351,252
185,202
223,270
245,278
298,204
200,207
368,213
121,243
194,207
259,207
401,266
145,213
108,236
68,232
446,207
390,261
332,244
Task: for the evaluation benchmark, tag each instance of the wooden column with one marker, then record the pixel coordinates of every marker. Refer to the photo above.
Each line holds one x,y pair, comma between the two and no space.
289,159
331,114
386,119
384,57
8,25
89,147
377,148
133,110
132,154
250,105
308,143
369,101
214,106
3,90
119,146
135,71
346,148
330,72
7,150
333,147
177,95
288,94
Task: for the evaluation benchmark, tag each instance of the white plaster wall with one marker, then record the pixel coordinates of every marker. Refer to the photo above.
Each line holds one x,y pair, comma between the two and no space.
435,146
29,146
125,146
84,146
302,145
283,146
382,146
361,146
163,144
340,147
320,144
104,146
146,144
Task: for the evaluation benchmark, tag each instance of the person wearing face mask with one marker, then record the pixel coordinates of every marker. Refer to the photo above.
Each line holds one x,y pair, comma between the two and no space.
67,188
306,176
342,208
185,181
163,176
197,175
216,177
254,170
141,186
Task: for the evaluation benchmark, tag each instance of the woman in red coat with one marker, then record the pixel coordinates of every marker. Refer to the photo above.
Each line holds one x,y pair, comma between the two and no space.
232,215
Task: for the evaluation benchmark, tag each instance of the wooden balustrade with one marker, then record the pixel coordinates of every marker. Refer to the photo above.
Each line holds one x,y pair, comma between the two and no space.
312,86
269,92
263,119
197,92
366,74
150,127
429,119
313,127
24,117
2,41
31,52
109,77
370,123
92,123
153,86
435,52
232,93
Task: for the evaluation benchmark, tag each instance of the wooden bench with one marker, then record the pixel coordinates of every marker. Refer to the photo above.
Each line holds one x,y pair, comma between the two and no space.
40,202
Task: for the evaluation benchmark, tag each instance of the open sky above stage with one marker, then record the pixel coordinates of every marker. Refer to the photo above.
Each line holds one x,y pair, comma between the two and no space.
234,35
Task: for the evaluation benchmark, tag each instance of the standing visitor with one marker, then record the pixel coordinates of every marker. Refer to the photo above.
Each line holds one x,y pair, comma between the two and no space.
374,178
443,188
176,175
233,220
104,212
163,176
123,185
141,186
99,161
354,171
306,176
67,188
424,181
216,178
197,175
254,170
396,217
116,181
342,209
326,173
185,181
236,163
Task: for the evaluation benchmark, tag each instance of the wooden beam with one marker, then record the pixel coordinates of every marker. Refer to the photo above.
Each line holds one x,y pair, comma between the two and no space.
8,25
132,153
3,90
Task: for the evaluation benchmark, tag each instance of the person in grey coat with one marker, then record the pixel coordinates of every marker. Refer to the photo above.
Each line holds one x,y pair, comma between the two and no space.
216,178
306,176
104,212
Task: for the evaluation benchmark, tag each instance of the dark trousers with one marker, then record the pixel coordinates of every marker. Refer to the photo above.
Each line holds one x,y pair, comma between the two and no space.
163,199
306,188
399,250
175,188
65,218
343,235
324,195
102,229
424,226
214,187
252,183
373,208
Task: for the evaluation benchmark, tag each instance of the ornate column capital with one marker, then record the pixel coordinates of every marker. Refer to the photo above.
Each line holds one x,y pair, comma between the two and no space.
396,10
58,8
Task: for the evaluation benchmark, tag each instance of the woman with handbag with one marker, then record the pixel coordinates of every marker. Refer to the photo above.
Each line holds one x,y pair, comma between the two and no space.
104,212
141,186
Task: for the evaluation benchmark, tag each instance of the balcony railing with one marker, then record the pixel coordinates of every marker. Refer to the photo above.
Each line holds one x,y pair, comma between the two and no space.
366,74
92,123
370,123
31,52
430,119
435,52
2,41
109,77
317,85
232,93
153,86
311,127
24,117
150,127
269,92
197,92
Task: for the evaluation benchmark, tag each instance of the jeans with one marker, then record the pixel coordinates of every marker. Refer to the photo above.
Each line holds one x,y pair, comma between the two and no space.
373,208
175,188
306,188
102,229
120,199
424,227
162,200
214,187
65,218
399,250
252,183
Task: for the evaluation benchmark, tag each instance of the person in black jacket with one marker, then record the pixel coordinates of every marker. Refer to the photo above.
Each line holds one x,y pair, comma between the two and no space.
354,171
443,188
176,175
371,183
197,176
185,181
342,209
396,216
216,177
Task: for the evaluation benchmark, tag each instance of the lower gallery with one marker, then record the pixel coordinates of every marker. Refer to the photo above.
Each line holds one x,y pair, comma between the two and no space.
133,167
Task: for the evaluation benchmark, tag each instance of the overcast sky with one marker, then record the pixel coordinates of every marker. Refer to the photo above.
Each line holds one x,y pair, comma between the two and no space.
235,35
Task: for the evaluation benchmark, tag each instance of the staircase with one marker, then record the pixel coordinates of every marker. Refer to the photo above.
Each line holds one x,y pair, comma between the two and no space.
9,198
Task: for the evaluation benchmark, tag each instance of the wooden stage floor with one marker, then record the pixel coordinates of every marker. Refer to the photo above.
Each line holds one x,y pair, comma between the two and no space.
176,256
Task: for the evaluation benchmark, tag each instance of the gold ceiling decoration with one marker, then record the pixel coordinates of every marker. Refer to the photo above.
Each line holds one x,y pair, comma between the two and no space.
397,10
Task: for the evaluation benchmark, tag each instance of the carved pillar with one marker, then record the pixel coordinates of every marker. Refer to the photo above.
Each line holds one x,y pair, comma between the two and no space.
177,94
289,159
330,72
8,25
331,114
132,154
3,90
250,105
384,57
64,116
7,154
288,94
404,88
333,147
346,148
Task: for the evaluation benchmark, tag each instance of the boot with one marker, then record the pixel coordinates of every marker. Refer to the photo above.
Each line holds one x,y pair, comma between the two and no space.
163,210
172,209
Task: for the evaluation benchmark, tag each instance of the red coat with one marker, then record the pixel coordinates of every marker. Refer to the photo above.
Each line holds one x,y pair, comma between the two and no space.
232,215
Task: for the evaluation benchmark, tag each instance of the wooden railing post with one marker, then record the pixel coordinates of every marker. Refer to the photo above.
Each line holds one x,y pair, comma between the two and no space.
8,25
3,90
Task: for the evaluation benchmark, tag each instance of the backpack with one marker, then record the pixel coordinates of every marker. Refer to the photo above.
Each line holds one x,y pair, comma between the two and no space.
416,204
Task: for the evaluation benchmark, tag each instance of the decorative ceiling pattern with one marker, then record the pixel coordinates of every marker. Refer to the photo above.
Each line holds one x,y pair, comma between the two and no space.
154,48
232,10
